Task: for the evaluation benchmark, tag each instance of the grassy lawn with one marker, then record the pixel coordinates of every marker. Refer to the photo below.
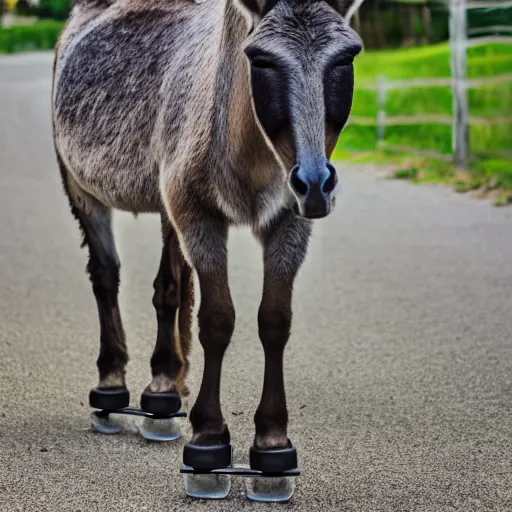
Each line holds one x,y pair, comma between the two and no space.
486,170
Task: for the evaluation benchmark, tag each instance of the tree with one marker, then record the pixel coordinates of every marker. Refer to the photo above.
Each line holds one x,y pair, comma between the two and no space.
58,9
23,8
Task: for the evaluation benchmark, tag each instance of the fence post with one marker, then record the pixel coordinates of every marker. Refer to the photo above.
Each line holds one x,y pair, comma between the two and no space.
458,39
381,114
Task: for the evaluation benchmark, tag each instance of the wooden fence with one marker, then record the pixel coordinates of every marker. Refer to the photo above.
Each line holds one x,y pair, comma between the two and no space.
460,120
459,44
382,86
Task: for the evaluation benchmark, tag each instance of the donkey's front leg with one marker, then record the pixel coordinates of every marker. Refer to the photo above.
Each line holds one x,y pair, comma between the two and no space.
285,246
216,324
203,239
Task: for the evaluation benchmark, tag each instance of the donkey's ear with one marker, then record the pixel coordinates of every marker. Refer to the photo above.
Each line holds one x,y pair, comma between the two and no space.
340,5
256,9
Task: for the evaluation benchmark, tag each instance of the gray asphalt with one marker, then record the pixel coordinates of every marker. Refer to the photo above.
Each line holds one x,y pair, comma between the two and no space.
398,373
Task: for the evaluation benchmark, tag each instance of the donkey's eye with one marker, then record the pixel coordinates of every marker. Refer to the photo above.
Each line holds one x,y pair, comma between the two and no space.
263,62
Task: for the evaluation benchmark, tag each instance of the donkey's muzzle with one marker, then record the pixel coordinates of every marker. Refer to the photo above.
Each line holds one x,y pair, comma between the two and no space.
314,191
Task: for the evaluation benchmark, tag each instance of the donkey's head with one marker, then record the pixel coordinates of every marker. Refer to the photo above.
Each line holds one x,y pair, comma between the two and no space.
300,55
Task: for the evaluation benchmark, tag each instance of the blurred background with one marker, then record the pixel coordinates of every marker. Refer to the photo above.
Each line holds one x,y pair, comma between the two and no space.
433,88
404,111
436,82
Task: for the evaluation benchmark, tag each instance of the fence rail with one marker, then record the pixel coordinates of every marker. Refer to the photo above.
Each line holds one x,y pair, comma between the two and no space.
460,120
471,83
489,5
492,28
431,153
479,41
424,119
459,44
382,86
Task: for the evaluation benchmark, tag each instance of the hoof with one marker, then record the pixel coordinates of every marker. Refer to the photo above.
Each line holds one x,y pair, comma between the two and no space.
109,399
160,404
273,461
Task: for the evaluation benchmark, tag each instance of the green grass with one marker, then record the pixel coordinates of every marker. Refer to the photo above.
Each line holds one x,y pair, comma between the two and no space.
484,177
407,63
421,100
485,168
41,36
491,102
423,136
430,61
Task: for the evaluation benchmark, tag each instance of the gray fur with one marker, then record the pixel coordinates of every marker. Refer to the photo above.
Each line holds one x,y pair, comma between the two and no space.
143,94
155,110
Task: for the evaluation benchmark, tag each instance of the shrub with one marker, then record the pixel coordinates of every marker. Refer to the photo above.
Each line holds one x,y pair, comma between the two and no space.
56,9
40,36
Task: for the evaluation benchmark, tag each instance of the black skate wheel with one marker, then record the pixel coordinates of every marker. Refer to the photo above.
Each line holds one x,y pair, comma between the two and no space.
109,399
160,404
273,461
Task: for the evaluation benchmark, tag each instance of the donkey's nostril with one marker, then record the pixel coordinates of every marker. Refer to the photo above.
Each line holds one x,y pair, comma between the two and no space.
297,184
330,182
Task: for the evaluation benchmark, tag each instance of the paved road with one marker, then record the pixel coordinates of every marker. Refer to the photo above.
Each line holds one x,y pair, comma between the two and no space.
399,371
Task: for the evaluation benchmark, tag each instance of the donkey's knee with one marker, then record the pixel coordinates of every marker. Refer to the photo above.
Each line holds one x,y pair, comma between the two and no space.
166,298
216,326
165,361
113,355
111,363
274,327
104,275
271,418
168,361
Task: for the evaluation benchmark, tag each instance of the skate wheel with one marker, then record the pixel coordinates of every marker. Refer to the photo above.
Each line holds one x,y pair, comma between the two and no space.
270,488
207,486
166,429
109,424
109,399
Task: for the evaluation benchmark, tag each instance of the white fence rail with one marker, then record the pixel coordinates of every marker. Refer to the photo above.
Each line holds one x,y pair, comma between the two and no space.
425,119
493,28
459,44
479,41
460,120
489,5
471,83
382,86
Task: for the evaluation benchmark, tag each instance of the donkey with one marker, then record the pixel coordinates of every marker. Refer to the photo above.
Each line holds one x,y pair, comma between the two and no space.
210,114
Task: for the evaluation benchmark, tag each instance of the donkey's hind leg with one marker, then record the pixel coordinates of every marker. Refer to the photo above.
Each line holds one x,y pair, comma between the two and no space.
103,269
173,301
